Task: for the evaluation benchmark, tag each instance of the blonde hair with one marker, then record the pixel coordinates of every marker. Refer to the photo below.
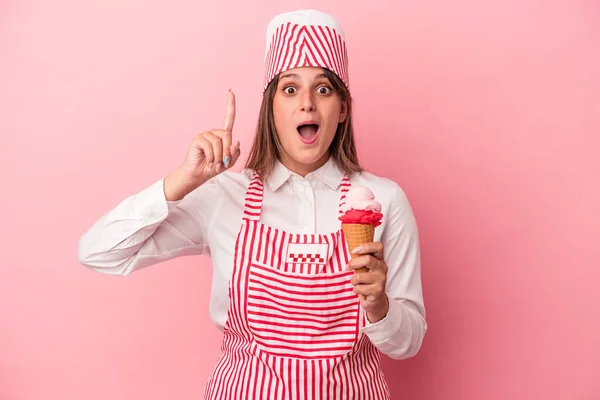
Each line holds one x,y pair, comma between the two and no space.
266,147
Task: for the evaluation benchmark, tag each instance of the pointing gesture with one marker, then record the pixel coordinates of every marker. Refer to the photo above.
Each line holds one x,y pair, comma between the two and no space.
228,127
230,114
210,153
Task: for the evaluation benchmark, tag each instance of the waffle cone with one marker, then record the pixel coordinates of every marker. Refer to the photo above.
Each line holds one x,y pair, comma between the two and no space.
356,235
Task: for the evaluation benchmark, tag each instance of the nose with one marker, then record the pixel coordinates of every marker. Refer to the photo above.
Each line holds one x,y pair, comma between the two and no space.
307,101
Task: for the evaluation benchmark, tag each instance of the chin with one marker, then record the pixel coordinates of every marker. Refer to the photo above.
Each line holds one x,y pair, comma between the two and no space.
309,157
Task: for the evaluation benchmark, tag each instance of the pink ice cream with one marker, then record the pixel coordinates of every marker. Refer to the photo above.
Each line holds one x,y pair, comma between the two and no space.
361,207
360,198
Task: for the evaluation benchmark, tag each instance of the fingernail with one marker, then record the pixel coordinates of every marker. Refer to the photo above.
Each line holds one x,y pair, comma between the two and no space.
357,250
210,165
225,161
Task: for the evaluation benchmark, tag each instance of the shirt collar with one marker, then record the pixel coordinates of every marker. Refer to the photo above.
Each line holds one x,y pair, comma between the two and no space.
329,173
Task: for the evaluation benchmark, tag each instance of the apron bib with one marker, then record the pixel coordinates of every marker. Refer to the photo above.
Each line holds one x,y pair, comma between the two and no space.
293,324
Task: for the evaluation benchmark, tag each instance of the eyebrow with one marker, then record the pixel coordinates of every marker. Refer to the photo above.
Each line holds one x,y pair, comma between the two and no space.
296,76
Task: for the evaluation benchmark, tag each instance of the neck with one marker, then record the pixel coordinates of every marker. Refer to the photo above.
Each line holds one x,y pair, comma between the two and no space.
303,169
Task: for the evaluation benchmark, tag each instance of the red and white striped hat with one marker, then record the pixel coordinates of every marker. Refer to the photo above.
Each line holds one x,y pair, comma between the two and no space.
305,38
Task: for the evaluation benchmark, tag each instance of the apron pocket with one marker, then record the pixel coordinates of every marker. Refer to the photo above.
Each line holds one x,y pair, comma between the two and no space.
302,315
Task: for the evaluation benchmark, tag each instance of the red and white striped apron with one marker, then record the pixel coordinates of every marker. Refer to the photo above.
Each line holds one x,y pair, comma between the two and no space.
293,325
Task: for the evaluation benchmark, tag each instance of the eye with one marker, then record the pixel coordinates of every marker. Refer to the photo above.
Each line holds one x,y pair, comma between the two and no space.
324,90
289,90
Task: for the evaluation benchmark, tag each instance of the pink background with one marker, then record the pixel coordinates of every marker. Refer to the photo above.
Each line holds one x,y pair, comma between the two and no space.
486,112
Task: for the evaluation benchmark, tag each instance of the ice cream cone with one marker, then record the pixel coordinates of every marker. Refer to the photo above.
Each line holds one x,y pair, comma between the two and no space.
356,235
360,214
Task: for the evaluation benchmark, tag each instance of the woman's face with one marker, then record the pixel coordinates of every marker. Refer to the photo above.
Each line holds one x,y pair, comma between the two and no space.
306,111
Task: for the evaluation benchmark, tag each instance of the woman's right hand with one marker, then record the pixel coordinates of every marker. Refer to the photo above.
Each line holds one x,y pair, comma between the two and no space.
209,154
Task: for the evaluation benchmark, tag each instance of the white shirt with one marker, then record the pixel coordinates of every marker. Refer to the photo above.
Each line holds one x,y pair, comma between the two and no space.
145,229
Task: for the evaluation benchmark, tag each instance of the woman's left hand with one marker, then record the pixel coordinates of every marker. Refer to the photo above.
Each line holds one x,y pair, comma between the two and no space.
370,285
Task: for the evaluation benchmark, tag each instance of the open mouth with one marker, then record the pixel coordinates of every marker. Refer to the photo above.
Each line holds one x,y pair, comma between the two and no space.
308,132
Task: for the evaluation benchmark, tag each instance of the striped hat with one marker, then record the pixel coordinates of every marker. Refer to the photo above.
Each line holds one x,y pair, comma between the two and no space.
305,38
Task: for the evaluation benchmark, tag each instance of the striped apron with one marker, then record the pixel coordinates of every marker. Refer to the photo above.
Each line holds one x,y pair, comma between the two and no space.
293,325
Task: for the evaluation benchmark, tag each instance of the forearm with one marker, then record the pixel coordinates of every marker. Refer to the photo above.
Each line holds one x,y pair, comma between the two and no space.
144,229
400,333
177,185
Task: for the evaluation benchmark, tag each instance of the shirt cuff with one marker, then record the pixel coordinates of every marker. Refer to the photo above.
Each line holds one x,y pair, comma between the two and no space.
152,204
159,186
383,330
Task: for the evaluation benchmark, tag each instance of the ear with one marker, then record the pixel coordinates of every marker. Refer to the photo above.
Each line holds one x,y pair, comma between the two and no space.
343,112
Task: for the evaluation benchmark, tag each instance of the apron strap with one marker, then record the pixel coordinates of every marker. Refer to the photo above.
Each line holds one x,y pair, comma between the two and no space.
345,187
253,199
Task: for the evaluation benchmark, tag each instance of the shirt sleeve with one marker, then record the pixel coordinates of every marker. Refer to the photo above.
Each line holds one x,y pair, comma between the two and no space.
400,333
145,229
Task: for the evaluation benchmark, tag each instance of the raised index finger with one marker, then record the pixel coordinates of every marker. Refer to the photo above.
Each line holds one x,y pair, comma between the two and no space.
230,113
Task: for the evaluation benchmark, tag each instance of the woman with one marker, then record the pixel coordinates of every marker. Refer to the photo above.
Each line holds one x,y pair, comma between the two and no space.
297,321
